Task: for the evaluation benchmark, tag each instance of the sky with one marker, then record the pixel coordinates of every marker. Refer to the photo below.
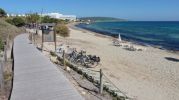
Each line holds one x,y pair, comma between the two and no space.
136,10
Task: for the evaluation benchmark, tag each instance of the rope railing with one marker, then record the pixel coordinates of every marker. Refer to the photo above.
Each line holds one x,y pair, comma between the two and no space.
118,90
94,75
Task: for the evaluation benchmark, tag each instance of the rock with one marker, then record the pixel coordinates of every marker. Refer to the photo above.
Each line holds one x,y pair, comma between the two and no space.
53,59
83,92
68,69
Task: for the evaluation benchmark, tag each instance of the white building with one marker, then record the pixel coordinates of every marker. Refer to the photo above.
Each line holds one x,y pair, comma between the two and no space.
60,16
14,15
52,15
11,15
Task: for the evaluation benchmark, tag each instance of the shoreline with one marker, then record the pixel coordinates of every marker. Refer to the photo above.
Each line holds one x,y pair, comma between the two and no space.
127,39
139,74
101,34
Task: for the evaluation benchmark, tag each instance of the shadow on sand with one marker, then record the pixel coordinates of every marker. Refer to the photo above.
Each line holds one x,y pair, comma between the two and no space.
172,59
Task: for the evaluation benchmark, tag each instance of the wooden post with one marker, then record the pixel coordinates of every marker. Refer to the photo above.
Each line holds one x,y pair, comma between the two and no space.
42,39
35,35
31,37
64,63
1,76
34,38
101,82
55,39
8,41
36,32
5,51
41,28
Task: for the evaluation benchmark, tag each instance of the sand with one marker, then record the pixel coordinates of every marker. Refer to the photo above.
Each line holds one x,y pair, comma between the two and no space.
142,75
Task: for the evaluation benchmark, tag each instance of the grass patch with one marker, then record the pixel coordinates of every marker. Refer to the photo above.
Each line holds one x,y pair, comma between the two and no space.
8,30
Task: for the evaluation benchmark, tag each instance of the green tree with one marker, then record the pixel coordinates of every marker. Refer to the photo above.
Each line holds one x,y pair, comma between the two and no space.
2,13
54,20
60,21
62,30
47,19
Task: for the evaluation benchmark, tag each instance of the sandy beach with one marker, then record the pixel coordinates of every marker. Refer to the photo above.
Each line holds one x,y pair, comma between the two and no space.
142,75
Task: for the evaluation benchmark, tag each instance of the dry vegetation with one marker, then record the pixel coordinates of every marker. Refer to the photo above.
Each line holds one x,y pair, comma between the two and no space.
7,32
8,29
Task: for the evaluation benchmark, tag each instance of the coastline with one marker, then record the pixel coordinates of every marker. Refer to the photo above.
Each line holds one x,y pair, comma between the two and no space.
142,75
101,34
105,35
73,26
127,39
138,73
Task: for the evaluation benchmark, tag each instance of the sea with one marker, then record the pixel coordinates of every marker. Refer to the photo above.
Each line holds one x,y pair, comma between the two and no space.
161,34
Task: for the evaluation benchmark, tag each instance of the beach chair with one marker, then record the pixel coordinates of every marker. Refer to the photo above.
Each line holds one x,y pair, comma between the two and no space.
117,43
139,48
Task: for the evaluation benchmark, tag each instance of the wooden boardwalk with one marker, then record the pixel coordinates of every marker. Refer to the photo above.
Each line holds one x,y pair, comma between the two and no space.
35,77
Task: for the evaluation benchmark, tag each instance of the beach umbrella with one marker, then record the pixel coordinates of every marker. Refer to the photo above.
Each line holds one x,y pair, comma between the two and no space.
119,37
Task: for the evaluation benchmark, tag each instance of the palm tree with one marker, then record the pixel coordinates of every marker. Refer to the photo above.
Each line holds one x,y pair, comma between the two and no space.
32,18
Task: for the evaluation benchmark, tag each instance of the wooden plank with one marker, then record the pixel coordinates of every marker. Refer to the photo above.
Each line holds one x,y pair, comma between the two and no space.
35,77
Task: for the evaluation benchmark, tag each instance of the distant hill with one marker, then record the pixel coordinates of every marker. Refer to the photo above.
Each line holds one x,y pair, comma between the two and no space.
100,19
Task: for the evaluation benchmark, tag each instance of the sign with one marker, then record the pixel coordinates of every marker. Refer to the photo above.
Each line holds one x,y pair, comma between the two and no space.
49,35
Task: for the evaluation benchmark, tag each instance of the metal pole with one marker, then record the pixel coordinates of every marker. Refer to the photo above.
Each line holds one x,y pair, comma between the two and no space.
41,16
101,82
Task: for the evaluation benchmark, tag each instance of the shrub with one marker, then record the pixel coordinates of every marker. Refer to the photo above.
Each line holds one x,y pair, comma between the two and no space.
8,31
18,21
52,54
62,30
9,20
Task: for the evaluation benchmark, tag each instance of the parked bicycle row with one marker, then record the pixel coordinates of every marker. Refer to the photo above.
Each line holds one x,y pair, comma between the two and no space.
79,57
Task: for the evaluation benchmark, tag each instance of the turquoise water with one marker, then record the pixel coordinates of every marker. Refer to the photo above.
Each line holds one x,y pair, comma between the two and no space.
163,34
